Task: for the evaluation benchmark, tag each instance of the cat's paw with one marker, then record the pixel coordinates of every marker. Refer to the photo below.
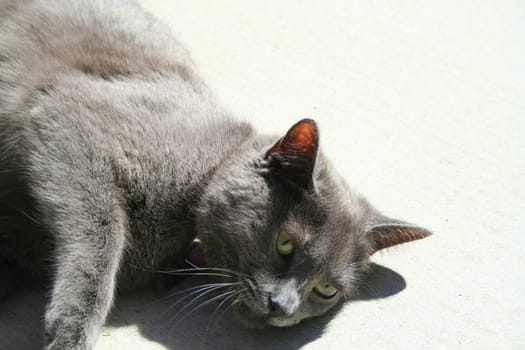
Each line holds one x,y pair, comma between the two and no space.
65,335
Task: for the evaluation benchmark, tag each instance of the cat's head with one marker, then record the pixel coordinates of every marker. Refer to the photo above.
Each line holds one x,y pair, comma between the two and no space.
297,236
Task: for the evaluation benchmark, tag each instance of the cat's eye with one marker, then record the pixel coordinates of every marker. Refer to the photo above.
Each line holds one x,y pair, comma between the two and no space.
325,290
285,245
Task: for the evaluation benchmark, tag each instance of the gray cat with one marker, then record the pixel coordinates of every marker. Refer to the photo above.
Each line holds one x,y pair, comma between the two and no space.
114,155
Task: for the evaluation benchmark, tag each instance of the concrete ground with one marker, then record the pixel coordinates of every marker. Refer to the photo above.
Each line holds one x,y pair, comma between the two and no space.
421,107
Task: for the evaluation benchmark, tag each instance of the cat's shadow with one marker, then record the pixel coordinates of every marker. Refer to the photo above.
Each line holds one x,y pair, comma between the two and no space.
20,320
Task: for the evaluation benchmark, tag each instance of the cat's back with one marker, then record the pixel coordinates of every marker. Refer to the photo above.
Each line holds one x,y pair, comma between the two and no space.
102,38
83,77
86,69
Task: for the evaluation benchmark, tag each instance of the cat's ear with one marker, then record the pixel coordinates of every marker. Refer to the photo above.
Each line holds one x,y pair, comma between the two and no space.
293,156
387,232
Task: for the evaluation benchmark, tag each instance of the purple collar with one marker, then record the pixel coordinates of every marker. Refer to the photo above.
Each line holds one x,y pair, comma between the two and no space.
195,255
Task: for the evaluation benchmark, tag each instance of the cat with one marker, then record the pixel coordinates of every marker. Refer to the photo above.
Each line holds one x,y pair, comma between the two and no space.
115,155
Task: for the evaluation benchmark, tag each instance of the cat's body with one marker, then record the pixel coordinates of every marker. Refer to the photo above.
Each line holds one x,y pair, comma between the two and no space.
114,155
156,137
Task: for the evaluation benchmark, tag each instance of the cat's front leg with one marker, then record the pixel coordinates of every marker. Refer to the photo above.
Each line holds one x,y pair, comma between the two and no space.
90,235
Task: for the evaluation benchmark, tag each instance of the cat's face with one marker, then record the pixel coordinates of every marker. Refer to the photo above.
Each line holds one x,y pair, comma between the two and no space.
297,238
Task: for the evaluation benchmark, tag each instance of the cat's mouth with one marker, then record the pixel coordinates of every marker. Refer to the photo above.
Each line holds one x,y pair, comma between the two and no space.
252,318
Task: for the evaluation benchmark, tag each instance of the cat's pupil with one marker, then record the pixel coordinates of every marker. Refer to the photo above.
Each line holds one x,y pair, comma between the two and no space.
284,244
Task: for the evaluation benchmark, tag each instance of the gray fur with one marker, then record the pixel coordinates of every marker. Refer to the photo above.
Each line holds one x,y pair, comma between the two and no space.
114,154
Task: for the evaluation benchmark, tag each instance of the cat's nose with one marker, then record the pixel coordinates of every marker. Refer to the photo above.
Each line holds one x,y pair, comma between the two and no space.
284,303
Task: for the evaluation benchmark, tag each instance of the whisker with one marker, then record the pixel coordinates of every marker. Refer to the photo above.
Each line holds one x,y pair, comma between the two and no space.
202,292
209,288
236,301
212,269
207,302
171,295
221,304
190,263
194,272
213,319
28,216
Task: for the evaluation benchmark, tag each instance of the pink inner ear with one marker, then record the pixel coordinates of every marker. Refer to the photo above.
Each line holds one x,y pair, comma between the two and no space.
302,138
293,156
303,134
390,235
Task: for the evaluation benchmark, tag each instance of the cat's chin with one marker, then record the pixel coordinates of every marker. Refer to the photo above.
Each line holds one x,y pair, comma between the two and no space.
282,322
251,319
247,317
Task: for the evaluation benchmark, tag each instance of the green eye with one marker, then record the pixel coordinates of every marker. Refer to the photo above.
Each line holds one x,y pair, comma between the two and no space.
325,290
284,244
